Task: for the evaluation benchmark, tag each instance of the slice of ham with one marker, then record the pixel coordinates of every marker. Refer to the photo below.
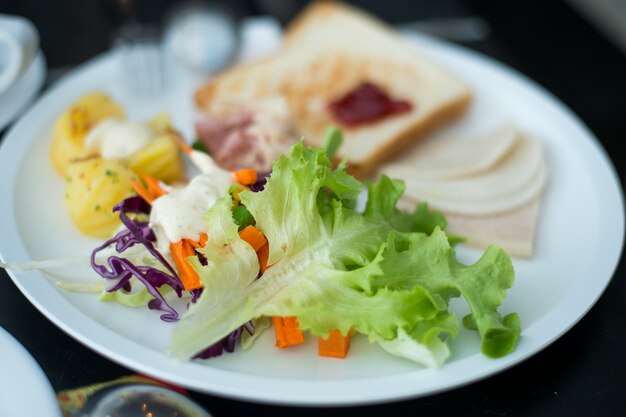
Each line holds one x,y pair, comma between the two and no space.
226,139
252,136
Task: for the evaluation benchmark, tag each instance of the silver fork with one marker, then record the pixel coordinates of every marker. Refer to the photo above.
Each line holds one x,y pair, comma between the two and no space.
140,53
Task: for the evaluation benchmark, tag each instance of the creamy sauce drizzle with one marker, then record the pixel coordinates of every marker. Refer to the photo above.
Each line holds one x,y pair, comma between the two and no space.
117,139
180,214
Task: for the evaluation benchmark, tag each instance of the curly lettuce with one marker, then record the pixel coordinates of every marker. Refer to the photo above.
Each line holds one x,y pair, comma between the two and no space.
384,273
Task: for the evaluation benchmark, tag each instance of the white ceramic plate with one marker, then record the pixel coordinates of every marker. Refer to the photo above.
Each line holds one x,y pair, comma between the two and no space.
24,388
578,244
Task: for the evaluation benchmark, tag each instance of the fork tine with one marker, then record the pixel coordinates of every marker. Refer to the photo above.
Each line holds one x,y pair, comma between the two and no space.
141,59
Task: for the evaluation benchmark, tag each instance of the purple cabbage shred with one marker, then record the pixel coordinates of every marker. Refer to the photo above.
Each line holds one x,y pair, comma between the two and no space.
261,180
121,270
195,294
226,344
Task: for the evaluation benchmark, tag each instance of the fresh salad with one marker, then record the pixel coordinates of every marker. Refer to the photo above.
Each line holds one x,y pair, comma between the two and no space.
290,250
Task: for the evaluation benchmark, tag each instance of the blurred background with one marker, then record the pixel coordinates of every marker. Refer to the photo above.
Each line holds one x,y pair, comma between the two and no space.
576,49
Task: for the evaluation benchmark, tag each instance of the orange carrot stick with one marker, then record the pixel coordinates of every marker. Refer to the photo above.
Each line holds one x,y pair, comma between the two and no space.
245,176
263,253
151,190
288,332
153,184
335,346
181,250
286,329
253,236
181,143
142,191
259,243
204,238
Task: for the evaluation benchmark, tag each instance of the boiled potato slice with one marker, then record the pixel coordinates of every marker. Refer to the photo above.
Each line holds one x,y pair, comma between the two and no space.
161,158
94,186
72,126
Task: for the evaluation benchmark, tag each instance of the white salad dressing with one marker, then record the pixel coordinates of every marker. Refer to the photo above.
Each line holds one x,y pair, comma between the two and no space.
117,139
180,214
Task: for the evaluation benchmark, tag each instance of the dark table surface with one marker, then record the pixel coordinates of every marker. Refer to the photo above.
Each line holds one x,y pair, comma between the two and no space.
581,374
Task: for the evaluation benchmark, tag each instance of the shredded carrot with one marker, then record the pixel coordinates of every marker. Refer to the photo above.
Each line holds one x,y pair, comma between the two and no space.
151,190
288,332
263,253
142,191
245,176
253,236
335,346
153,184
204,238
181,143
259,243
181,250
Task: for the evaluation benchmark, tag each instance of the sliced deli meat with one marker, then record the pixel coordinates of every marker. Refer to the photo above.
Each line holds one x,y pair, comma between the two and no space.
248,135
451,158
510,175
513,182
499,205
514,231
484,202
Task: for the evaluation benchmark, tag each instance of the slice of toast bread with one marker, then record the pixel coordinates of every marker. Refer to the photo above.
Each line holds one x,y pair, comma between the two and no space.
330,50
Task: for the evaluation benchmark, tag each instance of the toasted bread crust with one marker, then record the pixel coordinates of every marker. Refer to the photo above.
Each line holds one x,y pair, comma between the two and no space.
321,9
327,72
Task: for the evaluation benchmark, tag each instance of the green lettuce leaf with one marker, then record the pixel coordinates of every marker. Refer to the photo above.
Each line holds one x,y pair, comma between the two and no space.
136,299
260,325
382,202
383,273
133,299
